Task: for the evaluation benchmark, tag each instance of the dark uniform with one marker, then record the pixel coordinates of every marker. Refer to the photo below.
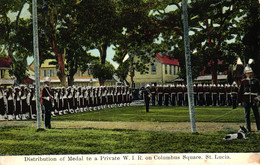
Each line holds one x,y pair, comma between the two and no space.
173,95
10,104
146,96
46,100
2,104
160,95
234,92
166,92
248,92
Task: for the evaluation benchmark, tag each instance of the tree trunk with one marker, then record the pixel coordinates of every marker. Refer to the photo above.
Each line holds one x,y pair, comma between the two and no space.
214,65
70,80
61,63
103,53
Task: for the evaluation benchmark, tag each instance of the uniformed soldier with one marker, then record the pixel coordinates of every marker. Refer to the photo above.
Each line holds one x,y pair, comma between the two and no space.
179,90
153,94
17,103
248,93
228,95
185,95
195,89
160,95
166,91
234,92
207,94
146,96
2,104
222,95
201,99
214,94
70,100
46,100
24,103
173,95
10,104
33,102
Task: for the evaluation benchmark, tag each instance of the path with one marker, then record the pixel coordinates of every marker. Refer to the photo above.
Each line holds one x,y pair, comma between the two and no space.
145,126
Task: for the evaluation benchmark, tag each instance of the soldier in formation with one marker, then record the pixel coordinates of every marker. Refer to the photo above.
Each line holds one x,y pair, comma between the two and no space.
204,95
19,102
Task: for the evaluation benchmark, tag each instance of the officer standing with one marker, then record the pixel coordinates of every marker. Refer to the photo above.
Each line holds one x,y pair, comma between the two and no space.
146,96
46,100
249,94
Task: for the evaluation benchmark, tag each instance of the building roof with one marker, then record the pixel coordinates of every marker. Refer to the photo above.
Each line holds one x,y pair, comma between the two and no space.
5,62
166,59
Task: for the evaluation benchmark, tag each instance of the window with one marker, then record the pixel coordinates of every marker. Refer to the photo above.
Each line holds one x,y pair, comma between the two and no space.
165,69
51,73
153,69
170,69
55,72
175,70
44,73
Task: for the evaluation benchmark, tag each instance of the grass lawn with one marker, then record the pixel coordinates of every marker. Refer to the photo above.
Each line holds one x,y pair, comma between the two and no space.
27,141
161,114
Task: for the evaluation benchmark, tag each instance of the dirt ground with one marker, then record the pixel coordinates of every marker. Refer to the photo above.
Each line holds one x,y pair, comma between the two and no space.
145,126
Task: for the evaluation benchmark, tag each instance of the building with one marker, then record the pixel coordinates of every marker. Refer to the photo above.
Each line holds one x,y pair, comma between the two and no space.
5,66
47,69
164,70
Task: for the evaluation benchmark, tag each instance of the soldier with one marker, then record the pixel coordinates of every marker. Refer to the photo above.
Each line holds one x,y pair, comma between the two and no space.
234,92
222,95
24,103
56,102
185,95
17,103
214,94
46,100
70,100
153,94
179,91
228,95
201,100
166,92
160,95
2,104
32,102
130,96
195,89
249,94
207,95
146,95
10,104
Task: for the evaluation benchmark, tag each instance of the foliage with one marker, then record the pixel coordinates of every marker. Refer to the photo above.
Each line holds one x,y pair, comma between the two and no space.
13,34
102,71
249,35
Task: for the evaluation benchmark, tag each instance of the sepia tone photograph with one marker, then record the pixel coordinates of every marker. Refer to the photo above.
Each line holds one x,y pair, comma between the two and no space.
129,82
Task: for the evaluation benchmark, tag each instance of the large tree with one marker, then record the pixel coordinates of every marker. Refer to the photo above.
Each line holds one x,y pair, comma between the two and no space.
13,31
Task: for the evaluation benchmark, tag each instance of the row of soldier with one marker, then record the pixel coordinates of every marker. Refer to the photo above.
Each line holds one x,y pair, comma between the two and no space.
204,95
19,103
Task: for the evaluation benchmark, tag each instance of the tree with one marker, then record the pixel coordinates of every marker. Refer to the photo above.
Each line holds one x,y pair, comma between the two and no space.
140,29
212,25
12,37
249,34
101,71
